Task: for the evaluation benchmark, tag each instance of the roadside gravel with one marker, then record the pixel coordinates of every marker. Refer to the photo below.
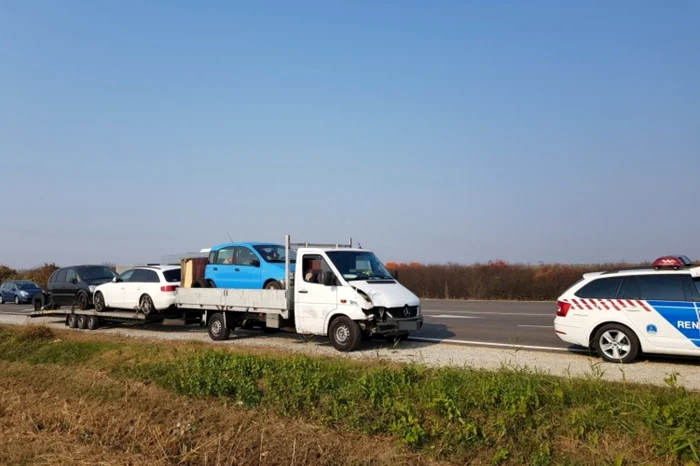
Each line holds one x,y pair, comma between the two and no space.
645,371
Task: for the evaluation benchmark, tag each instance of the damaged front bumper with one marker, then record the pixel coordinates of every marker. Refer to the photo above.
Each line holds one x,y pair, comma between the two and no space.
394,327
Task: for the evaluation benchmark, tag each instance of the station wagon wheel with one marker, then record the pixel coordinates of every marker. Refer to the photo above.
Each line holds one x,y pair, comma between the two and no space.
345,334
146,304
99,301
82,301
616,343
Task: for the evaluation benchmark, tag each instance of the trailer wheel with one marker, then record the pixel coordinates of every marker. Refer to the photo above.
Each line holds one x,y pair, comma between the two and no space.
82,321
73,321
345,334
93,323
217,328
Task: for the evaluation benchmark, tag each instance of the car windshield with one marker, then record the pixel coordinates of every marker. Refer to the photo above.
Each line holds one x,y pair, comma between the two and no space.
356,265
172,276
27,285
96,273
274,253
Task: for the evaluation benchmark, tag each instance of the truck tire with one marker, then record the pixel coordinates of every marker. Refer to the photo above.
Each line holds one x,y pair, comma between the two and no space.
93,323
345,334
217,328
73,321
82,321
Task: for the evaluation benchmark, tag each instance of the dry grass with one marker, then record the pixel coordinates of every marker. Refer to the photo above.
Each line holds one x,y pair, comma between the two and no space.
80,416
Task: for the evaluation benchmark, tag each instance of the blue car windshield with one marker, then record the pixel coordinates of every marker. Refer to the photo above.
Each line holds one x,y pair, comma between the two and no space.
27,285
274,253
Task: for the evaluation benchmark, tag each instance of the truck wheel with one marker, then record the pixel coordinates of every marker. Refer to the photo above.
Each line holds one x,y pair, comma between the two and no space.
345,334
217,328
82,301
616,343
93,323
82,321
73,321
273,285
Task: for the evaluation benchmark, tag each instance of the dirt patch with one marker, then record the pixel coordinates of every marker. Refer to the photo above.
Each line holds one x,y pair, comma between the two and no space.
50,415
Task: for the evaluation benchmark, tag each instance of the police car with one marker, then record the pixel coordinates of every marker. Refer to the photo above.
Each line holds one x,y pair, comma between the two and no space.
623,313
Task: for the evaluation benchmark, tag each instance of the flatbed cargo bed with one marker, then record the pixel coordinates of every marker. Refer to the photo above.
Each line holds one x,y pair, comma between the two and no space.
223,299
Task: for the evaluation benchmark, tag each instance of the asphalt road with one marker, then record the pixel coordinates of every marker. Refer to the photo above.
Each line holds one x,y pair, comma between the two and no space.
483,323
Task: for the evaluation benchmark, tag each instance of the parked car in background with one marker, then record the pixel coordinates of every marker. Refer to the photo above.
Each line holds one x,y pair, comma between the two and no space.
246,266
18,291
146,289
75,285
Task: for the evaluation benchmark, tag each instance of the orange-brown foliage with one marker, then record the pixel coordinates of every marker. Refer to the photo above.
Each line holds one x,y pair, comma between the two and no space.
496,279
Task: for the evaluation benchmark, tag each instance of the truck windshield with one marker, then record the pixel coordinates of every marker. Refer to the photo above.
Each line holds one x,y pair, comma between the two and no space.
274,253
356,265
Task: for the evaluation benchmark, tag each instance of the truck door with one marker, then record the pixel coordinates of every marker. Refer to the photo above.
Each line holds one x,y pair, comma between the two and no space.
313,300
665,311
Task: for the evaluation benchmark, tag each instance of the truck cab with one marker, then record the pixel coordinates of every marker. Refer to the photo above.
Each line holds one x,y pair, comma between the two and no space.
347,294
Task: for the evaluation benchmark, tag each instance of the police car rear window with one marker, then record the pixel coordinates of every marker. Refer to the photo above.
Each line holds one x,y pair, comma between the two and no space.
602,288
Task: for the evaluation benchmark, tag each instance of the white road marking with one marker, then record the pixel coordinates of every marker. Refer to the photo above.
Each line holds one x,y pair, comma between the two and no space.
501,345
426,311
452,316
537,326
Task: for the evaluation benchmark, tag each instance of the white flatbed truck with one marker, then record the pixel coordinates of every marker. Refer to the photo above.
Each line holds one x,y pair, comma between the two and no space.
337,291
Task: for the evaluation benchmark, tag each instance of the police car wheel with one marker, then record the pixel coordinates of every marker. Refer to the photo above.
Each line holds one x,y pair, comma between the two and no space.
616,343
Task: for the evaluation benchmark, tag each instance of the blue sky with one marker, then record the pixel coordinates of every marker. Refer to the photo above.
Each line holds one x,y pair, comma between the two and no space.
429,131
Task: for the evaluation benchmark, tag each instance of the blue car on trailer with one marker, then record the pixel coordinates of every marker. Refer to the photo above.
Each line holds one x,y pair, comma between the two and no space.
246,265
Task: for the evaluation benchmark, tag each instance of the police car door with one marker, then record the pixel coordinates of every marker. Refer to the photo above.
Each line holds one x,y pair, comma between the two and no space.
663,307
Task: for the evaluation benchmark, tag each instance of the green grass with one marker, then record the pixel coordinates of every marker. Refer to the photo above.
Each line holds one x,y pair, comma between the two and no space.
517,416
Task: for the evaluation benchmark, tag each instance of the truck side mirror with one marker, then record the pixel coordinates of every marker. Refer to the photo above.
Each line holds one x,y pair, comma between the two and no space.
328,278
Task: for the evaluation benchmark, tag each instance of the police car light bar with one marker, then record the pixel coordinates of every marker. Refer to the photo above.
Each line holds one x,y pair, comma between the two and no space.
672,262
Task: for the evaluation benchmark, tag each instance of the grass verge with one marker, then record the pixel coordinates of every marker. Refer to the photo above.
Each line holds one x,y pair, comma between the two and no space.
411,413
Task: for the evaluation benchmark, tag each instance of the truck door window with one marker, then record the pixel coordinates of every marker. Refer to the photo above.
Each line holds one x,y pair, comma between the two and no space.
225,256
314,266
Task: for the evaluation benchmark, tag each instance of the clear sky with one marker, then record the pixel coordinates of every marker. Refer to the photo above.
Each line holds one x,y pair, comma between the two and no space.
431,131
